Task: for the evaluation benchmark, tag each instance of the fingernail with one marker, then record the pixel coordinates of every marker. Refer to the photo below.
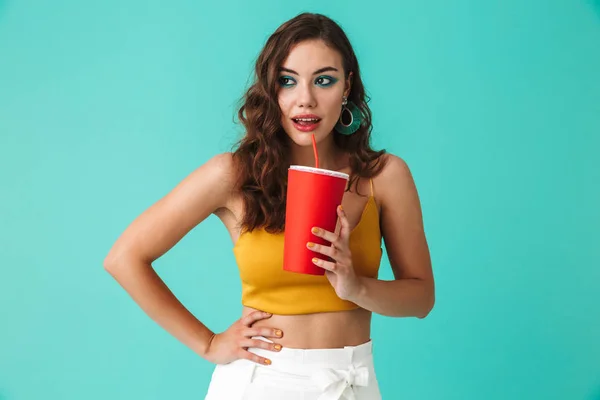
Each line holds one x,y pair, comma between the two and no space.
315,260
268,362
278,332
277,347
310,244
341,208
315,230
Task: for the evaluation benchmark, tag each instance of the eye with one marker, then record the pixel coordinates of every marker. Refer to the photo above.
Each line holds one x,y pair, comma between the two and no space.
325,81
286,81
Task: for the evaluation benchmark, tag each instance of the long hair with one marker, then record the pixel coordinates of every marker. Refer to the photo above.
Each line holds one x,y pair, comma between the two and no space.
262,155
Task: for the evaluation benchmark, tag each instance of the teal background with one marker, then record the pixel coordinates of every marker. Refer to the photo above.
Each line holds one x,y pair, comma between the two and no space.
106,106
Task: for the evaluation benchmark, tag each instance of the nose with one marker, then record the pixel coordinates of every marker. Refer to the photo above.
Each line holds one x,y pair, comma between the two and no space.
306,97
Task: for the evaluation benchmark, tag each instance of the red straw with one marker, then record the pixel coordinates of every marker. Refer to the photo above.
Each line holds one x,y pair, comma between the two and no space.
315,151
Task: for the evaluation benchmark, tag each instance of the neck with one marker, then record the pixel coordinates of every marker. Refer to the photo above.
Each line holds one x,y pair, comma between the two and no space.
304,155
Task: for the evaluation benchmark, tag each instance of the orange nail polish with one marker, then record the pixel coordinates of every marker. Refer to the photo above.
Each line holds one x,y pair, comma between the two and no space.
315,230
268,362
277,347
310,244
278,332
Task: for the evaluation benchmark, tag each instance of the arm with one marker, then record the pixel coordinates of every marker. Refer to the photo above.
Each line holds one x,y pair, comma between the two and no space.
412,293
157,230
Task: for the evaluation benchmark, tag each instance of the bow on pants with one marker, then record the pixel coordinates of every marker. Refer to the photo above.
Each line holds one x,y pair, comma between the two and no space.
339,383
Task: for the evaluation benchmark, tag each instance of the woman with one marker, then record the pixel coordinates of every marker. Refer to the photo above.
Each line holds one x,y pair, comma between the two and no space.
299,336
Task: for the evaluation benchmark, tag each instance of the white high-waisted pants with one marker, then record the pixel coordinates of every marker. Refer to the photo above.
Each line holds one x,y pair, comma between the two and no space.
299,374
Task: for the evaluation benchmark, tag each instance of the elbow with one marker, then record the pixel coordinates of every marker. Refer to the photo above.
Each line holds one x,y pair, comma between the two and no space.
109,264
426,312
112,262
430,302
118,261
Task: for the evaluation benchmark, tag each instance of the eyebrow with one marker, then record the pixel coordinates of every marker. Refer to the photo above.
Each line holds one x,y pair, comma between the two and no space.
319,71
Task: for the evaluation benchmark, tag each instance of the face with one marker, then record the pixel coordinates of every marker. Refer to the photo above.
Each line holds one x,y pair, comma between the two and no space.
311,85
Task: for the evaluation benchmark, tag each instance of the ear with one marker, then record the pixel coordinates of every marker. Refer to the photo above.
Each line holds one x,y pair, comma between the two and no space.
348,85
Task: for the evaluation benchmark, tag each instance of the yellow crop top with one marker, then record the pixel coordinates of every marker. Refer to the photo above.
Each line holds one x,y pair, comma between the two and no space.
267,287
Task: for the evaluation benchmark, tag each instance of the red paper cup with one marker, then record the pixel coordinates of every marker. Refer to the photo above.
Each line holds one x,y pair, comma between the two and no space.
313,195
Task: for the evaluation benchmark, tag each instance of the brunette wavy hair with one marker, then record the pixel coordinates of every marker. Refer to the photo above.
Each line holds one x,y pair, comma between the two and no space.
262,155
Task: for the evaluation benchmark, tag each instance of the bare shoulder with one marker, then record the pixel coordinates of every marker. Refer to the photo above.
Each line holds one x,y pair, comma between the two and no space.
394,177
394,168
223,171
210,186
158,228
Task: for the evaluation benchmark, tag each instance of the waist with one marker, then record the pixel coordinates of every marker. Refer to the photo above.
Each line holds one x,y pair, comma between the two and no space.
329,330
304,360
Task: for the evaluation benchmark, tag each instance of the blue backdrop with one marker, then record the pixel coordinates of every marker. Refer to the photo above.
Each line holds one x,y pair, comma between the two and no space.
106,106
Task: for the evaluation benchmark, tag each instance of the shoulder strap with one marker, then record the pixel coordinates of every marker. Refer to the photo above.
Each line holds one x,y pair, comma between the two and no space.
371,180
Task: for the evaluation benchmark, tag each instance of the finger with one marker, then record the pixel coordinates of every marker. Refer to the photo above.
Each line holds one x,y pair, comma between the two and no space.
329,236
251,318
328,265
260,344
265,332
326,250
345,224
253,357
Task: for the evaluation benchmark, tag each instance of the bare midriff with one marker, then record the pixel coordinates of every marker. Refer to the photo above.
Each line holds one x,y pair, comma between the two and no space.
320,330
